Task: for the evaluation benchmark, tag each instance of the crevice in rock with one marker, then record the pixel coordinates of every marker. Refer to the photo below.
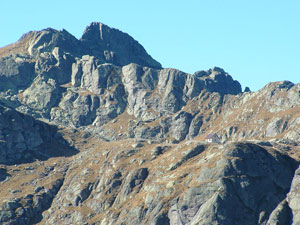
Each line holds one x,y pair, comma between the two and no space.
190,154
46,202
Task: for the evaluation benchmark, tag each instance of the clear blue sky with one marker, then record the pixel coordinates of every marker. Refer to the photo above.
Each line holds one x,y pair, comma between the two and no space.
255,41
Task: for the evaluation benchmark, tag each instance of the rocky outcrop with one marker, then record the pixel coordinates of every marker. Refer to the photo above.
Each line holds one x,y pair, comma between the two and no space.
23,139
275,127
236,191
217,80
42,95
107,44
28,210
48,39
240,183
15,73
113,46
293,198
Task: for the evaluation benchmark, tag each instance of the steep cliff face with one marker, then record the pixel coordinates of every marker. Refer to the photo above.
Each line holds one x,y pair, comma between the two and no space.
126,140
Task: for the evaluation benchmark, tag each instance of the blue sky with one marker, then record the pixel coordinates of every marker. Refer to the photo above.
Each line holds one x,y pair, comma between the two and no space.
255,41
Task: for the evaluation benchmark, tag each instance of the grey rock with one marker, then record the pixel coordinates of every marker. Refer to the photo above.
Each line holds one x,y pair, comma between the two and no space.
48,39
85,108
90,74
114,46
84,111
188,155
281,215
217,80
158,150
139,82
23,136
171,86
11,205
133,183
180,125
195,126
275,127
125,154
293,197
81,193
149,133
293,135
16,72
56,65
42,95
6,216
137,145
146,92
108,88
235,194
27,210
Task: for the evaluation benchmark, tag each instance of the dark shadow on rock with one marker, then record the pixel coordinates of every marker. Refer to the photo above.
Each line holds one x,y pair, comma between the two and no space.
50,150
162,219
54,146
46,202
3,174
24,139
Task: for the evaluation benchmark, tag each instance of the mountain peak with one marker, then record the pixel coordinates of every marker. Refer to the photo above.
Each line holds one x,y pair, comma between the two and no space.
115,46
95,31
46,40
99,40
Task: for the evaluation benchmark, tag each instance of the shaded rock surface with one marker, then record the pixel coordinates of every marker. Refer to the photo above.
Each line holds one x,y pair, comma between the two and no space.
22,138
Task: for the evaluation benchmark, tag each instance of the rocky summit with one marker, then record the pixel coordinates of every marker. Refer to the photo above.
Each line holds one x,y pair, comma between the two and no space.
95,131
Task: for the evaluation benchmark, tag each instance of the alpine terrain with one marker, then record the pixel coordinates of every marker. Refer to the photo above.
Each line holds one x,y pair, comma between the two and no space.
95,131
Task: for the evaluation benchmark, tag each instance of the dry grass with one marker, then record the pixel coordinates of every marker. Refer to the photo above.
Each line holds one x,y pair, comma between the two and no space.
20,47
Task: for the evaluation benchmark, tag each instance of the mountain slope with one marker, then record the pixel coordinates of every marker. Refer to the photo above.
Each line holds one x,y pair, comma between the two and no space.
95,131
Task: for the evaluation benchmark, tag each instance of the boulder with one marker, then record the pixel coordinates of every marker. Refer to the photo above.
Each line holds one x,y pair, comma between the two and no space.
42,95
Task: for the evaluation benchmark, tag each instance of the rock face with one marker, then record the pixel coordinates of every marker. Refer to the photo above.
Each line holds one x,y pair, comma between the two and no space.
207,186
23,139
16,72
217,80
114,46
48,39
95,131
293,198
235,189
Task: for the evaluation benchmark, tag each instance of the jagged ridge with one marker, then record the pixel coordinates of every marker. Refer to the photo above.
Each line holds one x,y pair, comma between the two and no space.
139,130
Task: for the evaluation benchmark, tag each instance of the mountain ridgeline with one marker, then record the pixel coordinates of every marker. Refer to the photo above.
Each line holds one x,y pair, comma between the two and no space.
95,131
